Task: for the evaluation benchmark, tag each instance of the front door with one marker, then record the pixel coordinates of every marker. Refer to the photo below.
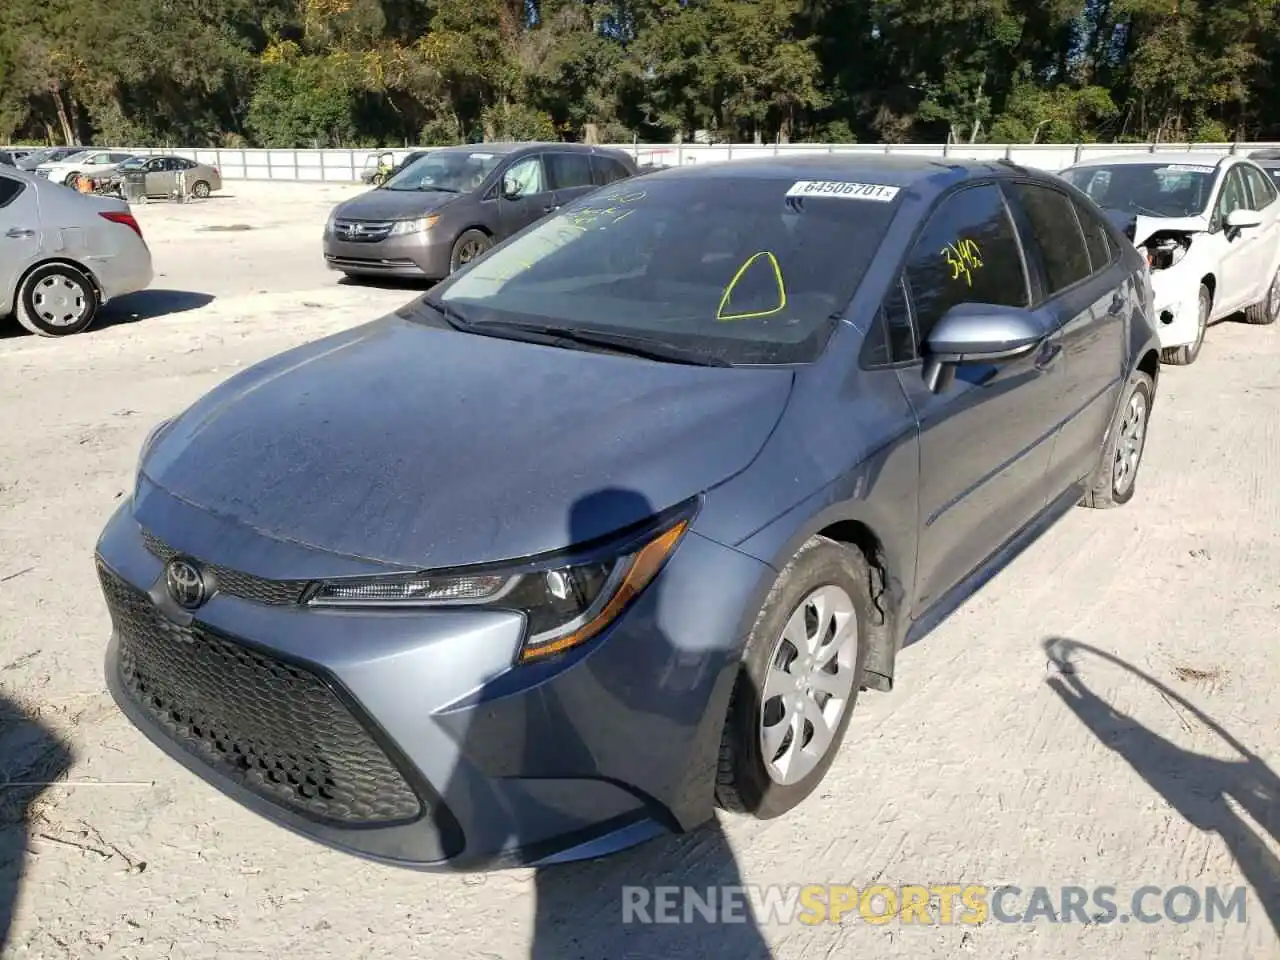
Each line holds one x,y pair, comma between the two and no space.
160,179
532,198
1236,283
20,236
984,440
1264,199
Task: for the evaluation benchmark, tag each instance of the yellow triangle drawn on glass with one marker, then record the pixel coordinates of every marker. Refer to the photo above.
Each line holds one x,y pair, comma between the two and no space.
772,261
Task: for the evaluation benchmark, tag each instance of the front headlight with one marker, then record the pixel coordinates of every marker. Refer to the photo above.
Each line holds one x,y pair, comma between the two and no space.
403,228
565,601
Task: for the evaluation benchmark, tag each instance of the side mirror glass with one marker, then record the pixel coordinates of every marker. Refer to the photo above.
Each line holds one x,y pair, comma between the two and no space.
1240,219
511,188
978,333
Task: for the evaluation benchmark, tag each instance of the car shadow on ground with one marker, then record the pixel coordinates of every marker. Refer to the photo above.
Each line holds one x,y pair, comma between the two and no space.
148,305
615,906
388,283
32,758
1200,788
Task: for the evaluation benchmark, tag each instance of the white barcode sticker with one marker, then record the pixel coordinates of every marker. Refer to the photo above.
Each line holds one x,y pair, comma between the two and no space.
1188,168
879,192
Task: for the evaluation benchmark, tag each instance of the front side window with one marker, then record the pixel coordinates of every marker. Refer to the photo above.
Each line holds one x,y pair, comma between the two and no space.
733,267
1261,192
1056,233
968,253
445,171
1233,197
528,176
1148,189
1097,237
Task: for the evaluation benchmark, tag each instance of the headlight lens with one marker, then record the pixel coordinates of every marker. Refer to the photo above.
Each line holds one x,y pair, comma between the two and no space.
565,604
405,227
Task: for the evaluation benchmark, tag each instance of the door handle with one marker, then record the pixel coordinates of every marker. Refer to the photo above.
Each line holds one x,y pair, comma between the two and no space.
551,208
1048,355
14,233
1117,304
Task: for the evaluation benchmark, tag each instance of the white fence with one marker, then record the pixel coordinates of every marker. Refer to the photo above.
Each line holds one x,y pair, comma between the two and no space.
345,166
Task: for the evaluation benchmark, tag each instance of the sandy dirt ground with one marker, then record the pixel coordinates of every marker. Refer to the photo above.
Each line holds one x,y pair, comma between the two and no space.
1103,713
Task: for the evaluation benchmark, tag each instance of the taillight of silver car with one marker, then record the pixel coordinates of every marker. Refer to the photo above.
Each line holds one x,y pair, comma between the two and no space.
125,219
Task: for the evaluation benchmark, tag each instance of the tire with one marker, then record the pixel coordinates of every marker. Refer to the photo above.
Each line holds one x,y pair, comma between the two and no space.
1109,486
201,190
1186,354
70,179
57,300
745,782
1268,309
469,245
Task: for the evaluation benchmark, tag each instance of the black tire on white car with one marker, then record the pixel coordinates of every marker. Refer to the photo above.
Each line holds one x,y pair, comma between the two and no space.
1186,354
57,300
1266,310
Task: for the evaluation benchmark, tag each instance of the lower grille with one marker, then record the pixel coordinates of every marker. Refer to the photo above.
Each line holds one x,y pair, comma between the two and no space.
273,727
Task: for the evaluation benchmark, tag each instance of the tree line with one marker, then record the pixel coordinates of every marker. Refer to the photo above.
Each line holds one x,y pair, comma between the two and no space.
358,73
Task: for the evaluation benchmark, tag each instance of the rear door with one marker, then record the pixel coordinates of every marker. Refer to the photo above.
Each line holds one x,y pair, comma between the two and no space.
570,174
985,440
536,199
20,237
1081,284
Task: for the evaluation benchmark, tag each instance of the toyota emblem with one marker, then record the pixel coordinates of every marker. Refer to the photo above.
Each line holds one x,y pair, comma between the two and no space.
185,583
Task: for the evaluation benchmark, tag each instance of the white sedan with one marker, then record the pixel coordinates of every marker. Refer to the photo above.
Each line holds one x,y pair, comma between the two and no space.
1210,229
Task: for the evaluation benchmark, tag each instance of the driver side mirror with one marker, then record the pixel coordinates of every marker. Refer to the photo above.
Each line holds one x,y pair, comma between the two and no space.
1240,219
511,189
978,333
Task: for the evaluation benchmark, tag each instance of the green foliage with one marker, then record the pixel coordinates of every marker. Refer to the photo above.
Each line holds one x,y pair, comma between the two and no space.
298,73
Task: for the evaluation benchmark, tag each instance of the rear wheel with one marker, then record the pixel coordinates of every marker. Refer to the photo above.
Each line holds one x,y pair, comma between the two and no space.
468,246
1267,310
201,190
1116,476
1187,353
798,683
57,300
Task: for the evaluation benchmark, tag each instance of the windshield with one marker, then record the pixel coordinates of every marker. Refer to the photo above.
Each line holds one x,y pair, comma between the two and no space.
453,171
1149,189
732,268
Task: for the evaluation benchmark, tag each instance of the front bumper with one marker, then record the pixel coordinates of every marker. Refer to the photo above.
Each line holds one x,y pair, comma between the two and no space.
409,737
1177,300
423,255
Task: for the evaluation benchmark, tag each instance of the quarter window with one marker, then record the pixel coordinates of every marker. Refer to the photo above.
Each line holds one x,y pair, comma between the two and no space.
1097,237
892,337
568,171
967,253
9,190
1056,233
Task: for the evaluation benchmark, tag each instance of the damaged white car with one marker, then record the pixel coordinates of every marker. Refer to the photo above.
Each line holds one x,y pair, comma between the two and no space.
1209,227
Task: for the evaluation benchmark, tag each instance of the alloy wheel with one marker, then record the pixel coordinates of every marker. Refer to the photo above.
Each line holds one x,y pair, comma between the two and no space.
809,684
1133,433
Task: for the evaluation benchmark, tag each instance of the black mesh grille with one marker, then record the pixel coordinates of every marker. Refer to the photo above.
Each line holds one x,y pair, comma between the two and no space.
274,727
237,584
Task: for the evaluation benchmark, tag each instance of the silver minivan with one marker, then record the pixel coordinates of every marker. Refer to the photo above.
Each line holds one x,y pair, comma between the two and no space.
64,254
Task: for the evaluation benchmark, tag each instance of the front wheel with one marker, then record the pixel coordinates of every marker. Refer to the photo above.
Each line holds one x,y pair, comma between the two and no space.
798,683
1186,354
468,246
57,300
1116,476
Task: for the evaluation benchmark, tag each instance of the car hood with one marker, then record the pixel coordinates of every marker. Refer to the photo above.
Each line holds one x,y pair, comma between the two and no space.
419,447
1139,228
394,204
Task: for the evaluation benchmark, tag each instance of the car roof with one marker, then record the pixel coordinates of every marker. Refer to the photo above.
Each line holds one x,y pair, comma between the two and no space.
894,170
1188,157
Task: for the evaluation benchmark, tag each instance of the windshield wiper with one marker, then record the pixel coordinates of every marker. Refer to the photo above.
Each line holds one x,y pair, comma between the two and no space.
451,315
616,342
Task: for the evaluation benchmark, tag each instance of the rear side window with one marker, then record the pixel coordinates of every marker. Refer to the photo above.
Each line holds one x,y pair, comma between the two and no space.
609,169
9,190
967,253
1056,233
1097,238
569,170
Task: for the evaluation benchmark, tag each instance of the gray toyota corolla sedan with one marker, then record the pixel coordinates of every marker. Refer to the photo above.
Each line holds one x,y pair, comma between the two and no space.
615,524
444,209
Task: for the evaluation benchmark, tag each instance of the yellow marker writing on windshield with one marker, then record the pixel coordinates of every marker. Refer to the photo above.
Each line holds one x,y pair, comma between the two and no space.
728,291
